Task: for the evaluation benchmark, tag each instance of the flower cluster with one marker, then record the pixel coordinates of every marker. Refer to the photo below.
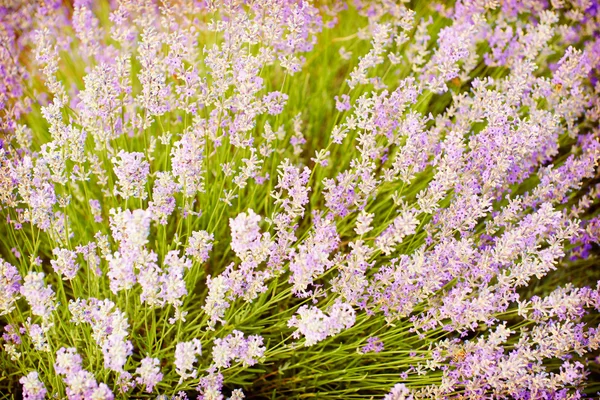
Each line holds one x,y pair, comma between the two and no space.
80,384
11,286
109,330
314,325
185,358
149,373
234,347
41,298
33,389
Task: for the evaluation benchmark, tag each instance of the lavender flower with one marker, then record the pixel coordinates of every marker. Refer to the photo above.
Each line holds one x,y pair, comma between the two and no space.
245,232
149,373
12,339
132,172
199,245
314,325
363,223
275,101
37,335
33,389
65,263
237,394
234,347
374,344
41,298
173,285
163,201
109,327
96,210
10,286
185,358
312,258
211,385
186,156
399,392
80,383
131,230
342,104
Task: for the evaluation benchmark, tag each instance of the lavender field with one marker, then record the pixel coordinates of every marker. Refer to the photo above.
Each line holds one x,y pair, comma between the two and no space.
290,199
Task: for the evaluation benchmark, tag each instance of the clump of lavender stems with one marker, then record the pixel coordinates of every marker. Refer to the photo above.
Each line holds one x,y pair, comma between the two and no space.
287,199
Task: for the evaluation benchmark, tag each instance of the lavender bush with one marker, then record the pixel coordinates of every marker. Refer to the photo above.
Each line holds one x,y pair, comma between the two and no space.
286,199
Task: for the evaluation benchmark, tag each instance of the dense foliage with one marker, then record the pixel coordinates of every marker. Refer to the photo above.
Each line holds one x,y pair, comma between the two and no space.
281,198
